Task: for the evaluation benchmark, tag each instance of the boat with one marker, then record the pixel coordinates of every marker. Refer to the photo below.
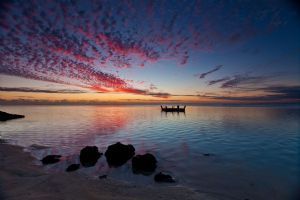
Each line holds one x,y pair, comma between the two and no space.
173,109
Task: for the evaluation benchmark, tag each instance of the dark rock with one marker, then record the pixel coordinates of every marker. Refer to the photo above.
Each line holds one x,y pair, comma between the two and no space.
6,116
2,141
160,177
145,164
73,167
103,177
118,154
51,159
208,154
89,156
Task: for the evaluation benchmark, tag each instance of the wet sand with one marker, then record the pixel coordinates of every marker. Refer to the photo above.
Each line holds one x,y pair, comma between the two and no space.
21,179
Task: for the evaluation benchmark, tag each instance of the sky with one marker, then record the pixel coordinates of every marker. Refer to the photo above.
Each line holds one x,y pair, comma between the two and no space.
148,51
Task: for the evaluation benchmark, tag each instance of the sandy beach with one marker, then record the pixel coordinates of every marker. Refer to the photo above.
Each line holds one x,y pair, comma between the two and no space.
21,179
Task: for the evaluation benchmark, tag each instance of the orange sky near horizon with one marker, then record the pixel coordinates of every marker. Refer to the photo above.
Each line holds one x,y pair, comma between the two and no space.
166,52
46,92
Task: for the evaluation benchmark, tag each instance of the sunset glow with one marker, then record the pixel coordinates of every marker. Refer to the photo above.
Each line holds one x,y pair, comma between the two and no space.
149,52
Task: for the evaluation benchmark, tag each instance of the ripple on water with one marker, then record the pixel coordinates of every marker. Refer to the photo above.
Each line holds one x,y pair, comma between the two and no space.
254,151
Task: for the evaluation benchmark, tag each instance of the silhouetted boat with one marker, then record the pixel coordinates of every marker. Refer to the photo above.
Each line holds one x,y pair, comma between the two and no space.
173,109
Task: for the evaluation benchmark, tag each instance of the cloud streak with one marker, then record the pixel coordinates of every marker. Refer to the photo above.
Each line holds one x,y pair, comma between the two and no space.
76,42
203,75
213,82
287,92
242,81
26,89
276,94
68,91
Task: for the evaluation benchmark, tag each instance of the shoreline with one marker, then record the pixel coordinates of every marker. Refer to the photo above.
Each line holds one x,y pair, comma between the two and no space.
20,178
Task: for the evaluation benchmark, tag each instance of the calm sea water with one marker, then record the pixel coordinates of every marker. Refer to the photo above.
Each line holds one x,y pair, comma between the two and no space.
254,150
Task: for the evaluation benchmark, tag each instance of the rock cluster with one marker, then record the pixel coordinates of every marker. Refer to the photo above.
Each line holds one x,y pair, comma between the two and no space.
116,155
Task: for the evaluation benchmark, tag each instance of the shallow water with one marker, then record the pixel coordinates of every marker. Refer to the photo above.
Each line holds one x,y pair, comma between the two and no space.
254,151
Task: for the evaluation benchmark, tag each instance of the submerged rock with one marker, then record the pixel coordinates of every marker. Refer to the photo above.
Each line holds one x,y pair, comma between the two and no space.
145,164
51,159
73,167
118,154
2,141
6,116
103,176
89,156
208,154
161,177
38,147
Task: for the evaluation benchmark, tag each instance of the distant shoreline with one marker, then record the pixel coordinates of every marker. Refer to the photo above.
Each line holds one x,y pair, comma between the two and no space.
21,179
284,105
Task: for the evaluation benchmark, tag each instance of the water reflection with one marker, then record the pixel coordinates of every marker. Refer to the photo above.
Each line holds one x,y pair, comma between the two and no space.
257,149
67,128
166,114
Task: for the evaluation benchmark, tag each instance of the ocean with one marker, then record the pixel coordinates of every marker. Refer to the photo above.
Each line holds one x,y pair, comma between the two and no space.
233,152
